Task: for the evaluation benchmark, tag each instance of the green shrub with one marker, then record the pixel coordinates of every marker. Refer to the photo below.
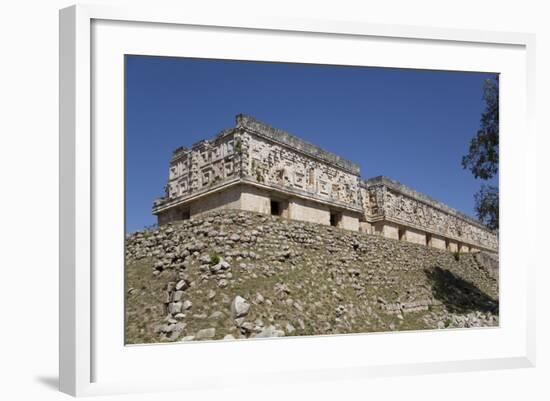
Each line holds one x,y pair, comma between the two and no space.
214,258
238,147
456,254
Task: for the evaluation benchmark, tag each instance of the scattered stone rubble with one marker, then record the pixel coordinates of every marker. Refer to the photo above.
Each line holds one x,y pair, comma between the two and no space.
232,275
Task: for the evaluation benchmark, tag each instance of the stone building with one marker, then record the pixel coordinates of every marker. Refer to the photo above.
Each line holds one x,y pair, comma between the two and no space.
258,168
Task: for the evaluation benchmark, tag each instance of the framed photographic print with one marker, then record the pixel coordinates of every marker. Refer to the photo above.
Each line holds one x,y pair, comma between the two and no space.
341,199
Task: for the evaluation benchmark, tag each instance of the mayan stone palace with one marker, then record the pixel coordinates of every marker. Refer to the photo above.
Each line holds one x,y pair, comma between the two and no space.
258,168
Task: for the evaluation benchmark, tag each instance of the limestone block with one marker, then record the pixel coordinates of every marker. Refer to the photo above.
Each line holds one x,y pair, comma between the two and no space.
390,231
222,200
255,200
416,237
300,209
453,246
438,242
349,222
366,227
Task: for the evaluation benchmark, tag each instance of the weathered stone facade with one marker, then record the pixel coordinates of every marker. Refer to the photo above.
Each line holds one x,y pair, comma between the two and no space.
400,212
259,168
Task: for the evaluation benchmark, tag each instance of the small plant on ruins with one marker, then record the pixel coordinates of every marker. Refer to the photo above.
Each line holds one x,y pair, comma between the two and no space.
456,255
214,258
238,147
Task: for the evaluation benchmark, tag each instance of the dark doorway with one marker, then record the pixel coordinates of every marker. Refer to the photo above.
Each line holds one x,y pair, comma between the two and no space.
275,208
335,219
185,214
401,234
428,239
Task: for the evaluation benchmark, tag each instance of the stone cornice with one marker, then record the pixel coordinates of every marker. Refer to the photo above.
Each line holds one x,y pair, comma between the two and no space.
302,194
297,144
251,181
411,193
195,195
181,151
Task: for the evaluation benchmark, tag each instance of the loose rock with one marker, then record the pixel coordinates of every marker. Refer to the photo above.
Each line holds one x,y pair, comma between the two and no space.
239,307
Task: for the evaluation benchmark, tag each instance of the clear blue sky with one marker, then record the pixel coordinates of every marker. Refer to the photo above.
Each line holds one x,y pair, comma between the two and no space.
410,125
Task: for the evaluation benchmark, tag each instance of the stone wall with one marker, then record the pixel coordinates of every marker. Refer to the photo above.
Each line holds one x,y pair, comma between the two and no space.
437,242
264,164
225,199
257,153
256,167
253,126
275,165
349,221
304,210
255,199
221,200
207,165
389,201
416,237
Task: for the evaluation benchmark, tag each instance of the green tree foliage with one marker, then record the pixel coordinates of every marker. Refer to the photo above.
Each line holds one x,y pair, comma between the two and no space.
483,155
487,205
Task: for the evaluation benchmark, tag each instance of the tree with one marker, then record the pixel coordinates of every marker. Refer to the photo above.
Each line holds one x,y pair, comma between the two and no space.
487,205
483,155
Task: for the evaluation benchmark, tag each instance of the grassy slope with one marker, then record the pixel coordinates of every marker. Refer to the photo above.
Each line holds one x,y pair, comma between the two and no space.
339,282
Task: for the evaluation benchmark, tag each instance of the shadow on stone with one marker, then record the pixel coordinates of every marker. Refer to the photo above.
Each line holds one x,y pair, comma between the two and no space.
457,294
49,381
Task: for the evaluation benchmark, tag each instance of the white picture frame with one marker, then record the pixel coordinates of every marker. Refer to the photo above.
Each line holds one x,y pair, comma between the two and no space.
87,362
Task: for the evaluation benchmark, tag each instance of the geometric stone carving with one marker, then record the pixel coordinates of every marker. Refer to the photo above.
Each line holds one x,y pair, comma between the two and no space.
313,183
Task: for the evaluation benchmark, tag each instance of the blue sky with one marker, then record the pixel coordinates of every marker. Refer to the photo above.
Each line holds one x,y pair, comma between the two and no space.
410,125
